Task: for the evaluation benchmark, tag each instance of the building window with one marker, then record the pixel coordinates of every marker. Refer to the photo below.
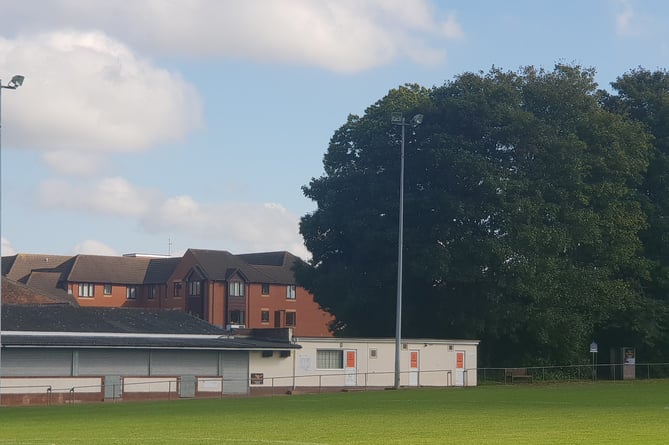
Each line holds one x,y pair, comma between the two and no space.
373,353
290,318
153,290
107,290
193,288
264,316
290,292
236,289
264,289
237,317
131,292
177,289
86,290
330,359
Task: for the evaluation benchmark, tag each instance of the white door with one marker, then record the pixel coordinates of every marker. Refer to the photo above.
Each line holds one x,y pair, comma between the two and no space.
350,368
413,368
459,368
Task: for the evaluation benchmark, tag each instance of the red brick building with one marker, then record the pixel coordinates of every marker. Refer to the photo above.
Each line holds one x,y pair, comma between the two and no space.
250,290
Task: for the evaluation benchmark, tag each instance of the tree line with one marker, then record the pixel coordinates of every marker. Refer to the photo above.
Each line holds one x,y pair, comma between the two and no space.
536,215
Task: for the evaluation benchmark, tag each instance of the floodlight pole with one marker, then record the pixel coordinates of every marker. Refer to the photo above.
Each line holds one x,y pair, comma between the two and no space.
13,84
398,119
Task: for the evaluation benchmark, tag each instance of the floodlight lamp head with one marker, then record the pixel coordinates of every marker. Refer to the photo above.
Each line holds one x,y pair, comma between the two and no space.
396,118
417,120
16,81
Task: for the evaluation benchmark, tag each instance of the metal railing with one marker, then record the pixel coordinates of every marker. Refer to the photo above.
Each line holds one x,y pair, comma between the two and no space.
168,388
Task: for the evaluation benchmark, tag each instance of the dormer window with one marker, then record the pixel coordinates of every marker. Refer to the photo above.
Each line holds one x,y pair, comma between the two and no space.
236,289
194,288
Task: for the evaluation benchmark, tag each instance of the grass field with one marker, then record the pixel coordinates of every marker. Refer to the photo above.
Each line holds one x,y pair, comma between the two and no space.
578,413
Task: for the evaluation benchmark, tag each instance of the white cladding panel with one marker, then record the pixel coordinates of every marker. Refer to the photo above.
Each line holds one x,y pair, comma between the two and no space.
112,362
435,361
36,362
204,363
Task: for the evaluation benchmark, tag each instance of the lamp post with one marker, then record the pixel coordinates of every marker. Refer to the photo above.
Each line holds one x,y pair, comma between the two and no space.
398,119
13,84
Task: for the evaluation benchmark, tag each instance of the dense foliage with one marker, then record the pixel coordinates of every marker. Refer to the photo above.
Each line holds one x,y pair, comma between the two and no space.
535,209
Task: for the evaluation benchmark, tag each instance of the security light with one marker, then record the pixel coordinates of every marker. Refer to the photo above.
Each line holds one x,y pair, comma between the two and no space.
16,81
417,120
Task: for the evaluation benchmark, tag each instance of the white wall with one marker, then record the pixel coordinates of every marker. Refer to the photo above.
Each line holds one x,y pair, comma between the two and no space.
32,385
436,363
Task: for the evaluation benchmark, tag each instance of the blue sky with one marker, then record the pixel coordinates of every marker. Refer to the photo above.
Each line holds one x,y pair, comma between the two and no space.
157,126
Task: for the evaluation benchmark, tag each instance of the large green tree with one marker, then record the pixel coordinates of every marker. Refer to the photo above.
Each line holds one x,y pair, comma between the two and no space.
643,95
521,215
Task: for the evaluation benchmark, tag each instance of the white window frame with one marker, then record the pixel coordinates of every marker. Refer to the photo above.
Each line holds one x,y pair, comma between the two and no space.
131,292
329,359
290,292
86,290
194,288
236,289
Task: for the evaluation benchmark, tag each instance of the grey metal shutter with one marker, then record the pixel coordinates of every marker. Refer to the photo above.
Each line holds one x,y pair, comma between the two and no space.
235,370
199,363
113,362
36,362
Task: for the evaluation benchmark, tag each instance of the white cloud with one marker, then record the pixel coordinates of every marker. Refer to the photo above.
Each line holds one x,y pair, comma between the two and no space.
92,247
245,227
86,92
630,22
241,227
110,196
7,248
338,35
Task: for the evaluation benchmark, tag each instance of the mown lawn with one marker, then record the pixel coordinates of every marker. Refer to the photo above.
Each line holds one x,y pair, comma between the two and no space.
577,413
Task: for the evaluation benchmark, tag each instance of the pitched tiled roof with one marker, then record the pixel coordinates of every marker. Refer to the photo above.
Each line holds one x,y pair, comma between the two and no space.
54,326
159,270
278,265
47,272
14,292
49,318
19,266
108,269
220,265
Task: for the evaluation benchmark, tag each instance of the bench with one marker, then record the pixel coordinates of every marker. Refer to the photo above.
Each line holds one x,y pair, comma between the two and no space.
512,374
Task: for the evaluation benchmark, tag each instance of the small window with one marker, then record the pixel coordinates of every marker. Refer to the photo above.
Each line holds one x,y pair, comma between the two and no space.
153,290
131,292
177,289
264,289
264,316
291,318
86,290
290,292
236,289
107,290
330,359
